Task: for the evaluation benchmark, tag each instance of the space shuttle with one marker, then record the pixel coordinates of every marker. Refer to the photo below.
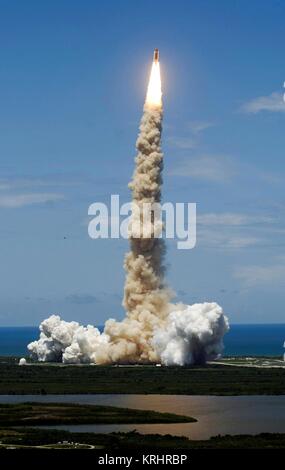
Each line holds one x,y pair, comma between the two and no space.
156,56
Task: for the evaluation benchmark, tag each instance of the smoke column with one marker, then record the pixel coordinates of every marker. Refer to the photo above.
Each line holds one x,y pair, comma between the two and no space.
154,330
145,299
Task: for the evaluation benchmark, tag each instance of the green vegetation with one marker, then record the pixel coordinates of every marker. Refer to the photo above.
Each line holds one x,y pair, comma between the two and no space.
34,414
51,438
213,379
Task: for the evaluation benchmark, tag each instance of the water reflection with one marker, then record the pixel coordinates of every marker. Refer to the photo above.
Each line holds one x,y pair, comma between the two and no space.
216,415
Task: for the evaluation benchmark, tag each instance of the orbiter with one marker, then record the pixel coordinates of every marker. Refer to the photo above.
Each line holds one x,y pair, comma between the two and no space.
156,55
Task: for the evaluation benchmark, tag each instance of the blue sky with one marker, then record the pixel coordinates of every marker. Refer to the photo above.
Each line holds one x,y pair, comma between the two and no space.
72,84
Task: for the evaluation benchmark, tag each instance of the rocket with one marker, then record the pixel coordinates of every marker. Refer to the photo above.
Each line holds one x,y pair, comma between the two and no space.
153,95
156,56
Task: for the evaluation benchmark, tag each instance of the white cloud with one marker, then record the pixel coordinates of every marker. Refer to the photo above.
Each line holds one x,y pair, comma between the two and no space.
38,182
20,200
4,186
182,143
241,242
81,299
206,167
235,219
199,126
272,103
256,275
190,141
225,240
231,231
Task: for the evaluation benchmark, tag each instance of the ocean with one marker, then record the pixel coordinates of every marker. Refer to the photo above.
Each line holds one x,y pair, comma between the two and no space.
242,340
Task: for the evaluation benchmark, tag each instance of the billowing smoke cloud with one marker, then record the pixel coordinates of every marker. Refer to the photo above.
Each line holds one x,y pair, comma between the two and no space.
153,330
68,342
192,335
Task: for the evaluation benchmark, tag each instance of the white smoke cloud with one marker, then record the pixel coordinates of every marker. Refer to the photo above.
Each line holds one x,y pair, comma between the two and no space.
55,336
193,334
67,342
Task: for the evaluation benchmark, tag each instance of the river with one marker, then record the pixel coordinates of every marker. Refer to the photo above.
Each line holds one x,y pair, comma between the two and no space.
215,414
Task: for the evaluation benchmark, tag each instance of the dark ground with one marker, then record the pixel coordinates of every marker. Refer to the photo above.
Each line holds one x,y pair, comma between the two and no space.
207,380
133,440
36,414
58,379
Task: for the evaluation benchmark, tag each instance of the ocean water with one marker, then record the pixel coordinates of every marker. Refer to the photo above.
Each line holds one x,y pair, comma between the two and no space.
255,340
14,340
242,340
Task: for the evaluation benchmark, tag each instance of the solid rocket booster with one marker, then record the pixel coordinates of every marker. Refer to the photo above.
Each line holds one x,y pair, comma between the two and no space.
156,55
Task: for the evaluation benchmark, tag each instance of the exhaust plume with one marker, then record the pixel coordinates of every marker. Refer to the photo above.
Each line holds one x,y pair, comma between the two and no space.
154,330
193,335
146,299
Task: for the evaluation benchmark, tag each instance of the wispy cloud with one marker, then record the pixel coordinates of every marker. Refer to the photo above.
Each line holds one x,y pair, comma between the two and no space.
199,126
81,299
213,168
21,200
273,103
190,141
182,143
225,241
240,242
260,275
233,231
4,186
233,219
32,183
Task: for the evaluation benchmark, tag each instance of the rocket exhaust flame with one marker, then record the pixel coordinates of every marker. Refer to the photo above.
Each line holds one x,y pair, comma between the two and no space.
154,330
154,95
